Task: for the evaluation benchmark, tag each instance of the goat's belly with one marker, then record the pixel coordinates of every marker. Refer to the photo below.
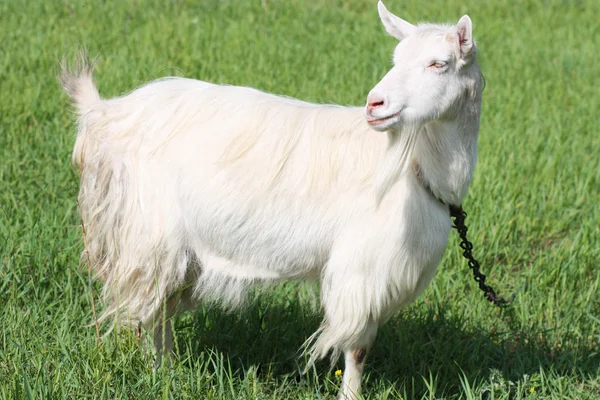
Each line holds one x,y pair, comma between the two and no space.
258,240
227,268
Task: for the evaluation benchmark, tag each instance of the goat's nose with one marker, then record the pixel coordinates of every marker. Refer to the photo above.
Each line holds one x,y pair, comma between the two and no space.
375,101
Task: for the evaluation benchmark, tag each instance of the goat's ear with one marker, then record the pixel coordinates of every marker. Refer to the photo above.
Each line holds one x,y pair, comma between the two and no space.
395,26
464,30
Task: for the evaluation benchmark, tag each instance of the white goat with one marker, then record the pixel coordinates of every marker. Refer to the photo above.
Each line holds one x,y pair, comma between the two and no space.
192,191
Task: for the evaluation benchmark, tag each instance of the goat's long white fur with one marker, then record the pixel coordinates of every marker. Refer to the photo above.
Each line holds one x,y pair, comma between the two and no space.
195,191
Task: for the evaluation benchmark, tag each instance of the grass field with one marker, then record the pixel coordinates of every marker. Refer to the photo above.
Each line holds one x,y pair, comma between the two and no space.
533,206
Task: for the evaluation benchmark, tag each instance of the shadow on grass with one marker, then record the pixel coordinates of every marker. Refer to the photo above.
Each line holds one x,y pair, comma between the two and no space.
411,348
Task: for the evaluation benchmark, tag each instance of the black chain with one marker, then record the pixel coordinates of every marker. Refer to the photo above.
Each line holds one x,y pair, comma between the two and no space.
459,216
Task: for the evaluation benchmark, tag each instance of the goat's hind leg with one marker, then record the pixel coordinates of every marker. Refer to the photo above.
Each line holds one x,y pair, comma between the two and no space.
162,330
354,362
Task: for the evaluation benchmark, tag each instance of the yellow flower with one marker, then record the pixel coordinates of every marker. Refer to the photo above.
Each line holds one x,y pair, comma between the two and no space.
338,372
532,390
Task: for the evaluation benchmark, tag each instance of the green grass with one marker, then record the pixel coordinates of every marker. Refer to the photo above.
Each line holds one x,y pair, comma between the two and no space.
533,206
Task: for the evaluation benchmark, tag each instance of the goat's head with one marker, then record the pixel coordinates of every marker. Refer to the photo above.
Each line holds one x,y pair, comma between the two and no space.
434,70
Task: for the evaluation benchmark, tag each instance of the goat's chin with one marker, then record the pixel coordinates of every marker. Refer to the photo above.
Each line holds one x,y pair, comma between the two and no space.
386,124
390,128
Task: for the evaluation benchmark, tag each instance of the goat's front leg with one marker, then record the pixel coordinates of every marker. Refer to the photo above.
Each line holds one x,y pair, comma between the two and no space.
354,358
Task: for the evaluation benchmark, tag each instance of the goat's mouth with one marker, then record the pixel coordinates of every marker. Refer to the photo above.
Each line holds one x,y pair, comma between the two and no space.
381,121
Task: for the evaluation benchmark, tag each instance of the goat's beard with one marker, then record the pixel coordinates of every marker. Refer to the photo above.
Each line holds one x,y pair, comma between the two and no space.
396,160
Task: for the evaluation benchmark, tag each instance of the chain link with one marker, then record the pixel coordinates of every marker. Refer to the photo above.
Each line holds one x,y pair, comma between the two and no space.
459,216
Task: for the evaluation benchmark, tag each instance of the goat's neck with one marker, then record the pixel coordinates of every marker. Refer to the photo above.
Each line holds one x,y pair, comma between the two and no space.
445,156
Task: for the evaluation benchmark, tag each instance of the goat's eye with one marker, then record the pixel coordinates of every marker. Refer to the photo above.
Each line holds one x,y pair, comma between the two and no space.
438,64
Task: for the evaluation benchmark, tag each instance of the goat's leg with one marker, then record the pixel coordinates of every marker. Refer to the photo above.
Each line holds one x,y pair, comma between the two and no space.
162,330
354,358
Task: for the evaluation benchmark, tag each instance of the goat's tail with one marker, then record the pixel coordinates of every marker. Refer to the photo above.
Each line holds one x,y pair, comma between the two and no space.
77,81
